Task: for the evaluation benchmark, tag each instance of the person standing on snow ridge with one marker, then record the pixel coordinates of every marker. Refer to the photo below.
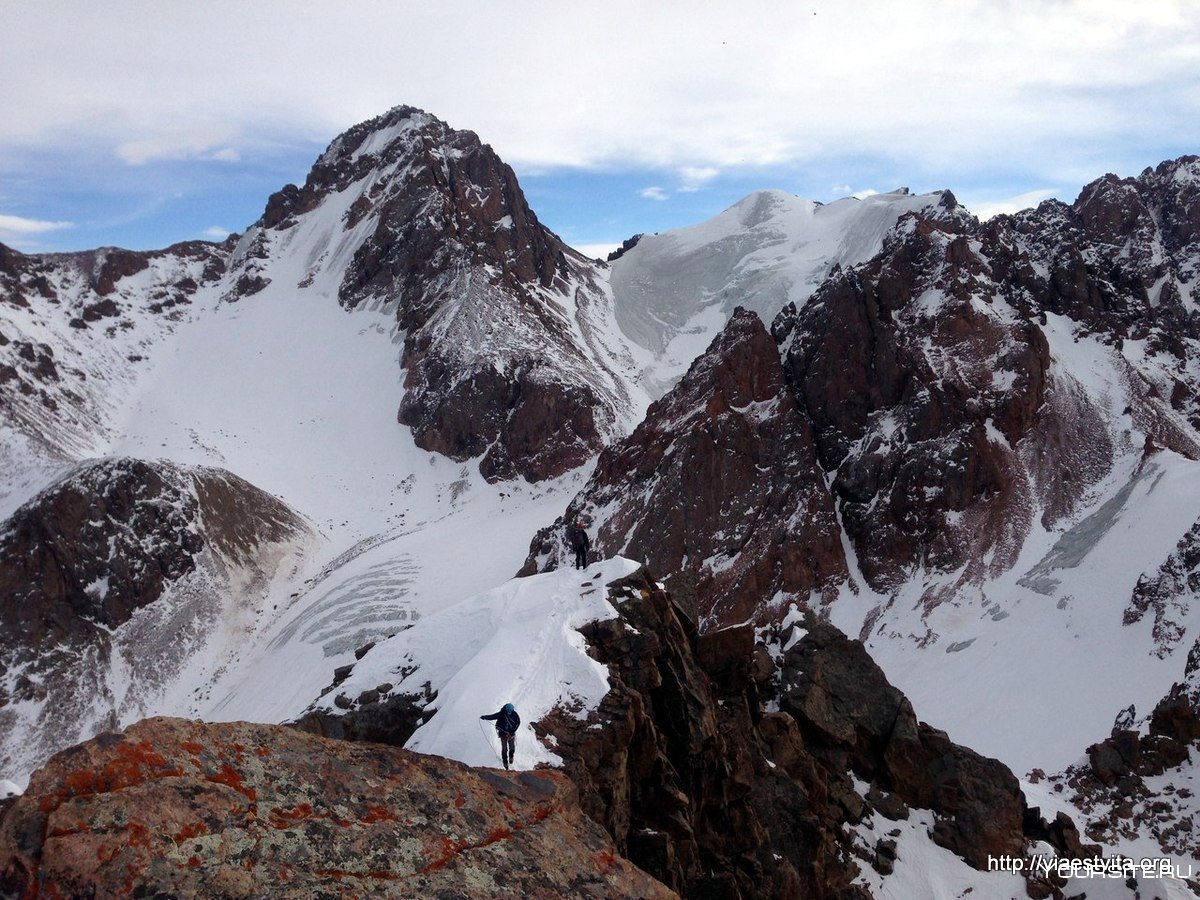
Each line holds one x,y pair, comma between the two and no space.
507,722
577,537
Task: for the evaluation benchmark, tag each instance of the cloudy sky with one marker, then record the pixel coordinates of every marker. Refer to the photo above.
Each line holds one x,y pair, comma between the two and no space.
142,123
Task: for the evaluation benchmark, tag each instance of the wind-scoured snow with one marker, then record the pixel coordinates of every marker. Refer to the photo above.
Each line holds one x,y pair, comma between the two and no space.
674,291
518,643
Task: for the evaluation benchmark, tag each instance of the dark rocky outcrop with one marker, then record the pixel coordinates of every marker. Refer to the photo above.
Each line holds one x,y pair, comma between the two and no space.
744,763
110,537
921,401
918,406
68,324
719,485
178,808
714,795
1169,594
626,245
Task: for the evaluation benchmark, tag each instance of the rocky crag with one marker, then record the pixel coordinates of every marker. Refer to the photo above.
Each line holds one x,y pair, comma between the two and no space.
921,409
1140,784
750,763
76,332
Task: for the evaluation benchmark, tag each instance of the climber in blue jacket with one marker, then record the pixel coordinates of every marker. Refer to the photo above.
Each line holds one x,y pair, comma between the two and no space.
507,722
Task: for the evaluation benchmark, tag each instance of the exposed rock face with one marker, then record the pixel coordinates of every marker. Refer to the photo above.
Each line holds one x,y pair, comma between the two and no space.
746,764
715,796
179,808
124,563
503,324
918,405
720,482
1169,594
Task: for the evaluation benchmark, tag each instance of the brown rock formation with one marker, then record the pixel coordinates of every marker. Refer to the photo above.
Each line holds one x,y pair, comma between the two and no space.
715,796
1111,791
919,400
177,546
179,808
109,538
719,485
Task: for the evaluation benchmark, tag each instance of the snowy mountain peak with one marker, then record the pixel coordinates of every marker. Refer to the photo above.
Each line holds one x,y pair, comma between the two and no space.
673,291
509,350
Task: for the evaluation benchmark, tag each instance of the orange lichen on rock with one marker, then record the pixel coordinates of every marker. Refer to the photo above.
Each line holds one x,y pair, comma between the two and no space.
230,777
441,851
376,813
189,831
196,834
286,818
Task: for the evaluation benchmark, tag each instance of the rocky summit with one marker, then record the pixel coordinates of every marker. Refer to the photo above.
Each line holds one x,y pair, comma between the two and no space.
507,355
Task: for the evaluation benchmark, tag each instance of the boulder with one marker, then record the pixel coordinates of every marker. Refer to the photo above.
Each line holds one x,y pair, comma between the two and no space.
178,808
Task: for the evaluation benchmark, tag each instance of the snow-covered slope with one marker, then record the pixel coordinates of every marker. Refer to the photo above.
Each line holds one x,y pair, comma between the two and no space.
675,290
76,333
1000,418
407,277
517,643
508,341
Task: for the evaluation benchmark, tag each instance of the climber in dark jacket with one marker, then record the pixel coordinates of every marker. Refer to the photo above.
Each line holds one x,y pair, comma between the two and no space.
507,722
577,537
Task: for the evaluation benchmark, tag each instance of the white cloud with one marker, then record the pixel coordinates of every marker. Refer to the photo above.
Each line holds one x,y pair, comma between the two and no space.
20,226
201,145
653,193
597,251
986,208
216,233
694,178
1046,87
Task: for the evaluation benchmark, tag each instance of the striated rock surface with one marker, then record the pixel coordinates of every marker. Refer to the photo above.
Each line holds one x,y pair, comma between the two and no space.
113,580
178,808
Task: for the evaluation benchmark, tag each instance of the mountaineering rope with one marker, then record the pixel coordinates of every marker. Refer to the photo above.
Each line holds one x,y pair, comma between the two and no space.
483,731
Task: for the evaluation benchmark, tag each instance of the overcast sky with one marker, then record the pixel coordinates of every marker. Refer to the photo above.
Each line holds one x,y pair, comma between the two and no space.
140,124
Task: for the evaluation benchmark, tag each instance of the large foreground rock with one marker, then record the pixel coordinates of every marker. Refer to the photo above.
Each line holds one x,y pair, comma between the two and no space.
179,808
